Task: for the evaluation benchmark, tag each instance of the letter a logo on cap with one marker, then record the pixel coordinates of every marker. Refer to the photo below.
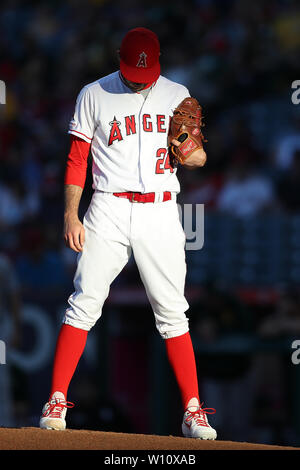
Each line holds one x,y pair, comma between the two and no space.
142,60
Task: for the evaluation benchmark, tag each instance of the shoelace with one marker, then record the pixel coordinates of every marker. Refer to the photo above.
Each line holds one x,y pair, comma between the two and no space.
56,408
200,415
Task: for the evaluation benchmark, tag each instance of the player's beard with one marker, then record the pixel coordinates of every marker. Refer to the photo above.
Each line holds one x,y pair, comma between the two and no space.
135,87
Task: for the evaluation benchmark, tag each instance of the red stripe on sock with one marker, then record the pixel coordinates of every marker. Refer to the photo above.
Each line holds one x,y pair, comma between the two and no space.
69,348
181,356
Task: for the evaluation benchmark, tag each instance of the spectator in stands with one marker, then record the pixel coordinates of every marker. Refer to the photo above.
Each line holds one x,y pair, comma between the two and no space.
287,146
288,186
222,323
273,377
285,321
41,267
246,192
15,206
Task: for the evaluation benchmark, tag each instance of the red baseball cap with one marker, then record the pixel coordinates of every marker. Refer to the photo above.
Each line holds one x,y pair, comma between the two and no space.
139,56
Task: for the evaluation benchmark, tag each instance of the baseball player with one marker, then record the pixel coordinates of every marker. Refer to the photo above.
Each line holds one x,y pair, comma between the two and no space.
123,118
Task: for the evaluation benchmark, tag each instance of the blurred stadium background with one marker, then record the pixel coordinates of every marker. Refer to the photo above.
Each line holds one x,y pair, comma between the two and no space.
239,58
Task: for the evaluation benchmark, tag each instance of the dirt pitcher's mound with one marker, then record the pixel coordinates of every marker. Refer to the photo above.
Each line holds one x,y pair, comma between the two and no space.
40,439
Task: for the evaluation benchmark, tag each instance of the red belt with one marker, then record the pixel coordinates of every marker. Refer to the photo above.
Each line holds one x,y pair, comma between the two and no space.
146,197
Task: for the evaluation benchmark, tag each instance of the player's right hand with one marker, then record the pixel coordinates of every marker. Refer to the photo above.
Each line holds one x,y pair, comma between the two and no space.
74,234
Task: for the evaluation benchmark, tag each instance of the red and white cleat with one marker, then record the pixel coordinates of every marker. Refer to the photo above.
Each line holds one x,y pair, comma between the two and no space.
195,424
54,413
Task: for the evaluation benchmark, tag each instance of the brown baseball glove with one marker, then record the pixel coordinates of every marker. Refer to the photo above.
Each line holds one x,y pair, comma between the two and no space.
185,126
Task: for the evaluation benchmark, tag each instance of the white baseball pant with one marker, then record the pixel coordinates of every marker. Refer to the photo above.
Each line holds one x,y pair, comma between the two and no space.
114,229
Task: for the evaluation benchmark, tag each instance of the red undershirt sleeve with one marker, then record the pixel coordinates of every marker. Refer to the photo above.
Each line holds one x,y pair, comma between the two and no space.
77,160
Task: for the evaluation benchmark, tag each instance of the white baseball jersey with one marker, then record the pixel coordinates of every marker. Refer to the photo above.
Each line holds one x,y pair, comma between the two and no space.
128,134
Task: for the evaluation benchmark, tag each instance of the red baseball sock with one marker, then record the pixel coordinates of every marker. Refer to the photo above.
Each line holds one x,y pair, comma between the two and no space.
69,348
181,356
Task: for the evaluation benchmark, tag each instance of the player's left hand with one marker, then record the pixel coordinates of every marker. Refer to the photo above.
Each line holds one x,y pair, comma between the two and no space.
196,160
